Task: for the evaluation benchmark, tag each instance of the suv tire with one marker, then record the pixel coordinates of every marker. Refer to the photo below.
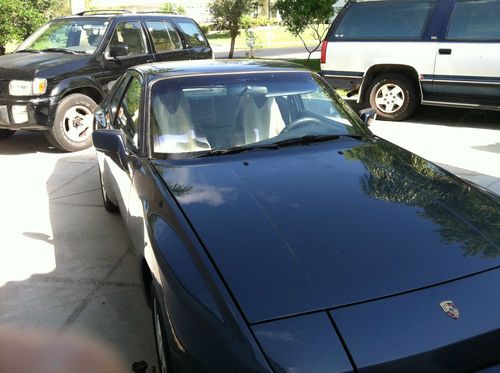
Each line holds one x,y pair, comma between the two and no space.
5,134
393,96
72,129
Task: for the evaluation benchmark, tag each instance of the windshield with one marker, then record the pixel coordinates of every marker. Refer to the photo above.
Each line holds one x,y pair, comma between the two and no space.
220,112
72,35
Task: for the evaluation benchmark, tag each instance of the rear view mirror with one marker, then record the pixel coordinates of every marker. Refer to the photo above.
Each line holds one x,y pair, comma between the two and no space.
367,114
118,50
111,143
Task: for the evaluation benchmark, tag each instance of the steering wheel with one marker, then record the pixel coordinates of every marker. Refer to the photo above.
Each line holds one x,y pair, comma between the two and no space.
303,121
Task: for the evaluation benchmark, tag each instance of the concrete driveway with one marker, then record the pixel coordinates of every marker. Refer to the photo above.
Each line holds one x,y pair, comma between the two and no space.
65,263
465,142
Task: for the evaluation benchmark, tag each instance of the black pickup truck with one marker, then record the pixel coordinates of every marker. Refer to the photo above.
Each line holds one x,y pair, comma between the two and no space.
57,77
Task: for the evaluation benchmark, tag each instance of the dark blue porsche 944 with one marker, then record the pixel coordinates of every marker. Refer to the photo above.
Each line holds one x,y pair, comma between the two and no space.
276,233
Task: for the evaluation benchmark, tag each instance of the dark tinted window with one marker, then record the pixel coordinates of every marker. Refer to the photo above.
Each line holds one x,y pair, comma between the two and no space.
128,115
129,33
475,20
193,34
164,37
398,19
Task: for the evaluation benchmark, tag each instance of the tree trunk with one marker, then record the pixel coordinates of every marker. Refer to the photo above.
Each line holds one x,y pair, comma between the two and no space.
231,50
2,50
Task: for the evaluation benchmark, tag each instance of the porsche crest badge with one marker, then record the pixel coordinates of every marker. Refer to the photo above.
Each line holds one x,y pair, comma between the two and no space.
450,309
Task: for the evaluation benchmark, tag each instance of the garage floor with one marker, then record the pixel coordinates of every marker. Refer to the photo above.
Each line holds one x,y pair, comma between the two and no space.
65,263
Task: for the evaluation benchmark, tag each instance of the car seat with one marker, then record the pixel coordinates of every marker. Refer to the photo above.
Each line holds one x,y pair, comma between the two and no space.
173,129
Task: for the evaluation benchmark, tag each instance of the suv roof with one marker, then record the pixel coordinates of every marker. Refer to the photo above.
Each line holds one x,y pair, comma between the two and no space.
123,14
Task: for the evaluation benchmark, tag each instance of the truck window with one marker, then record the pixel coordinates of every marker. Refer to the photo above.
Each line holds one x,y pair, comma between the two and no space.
475,20
192,32
385,20
165,38
131,34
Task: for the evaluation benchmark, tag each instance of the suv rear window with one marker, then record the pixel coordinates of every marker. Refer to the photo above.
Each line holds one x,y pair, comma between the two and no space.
475,20
394,20
193,33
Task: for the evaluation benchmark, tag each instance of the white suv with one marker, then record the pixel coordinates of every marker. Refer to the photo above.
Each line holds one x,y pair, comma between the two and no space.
399,53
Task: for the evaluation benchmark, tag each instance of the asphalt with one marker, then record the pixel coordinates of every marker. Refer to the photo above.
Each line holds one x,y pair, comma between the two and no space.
66,264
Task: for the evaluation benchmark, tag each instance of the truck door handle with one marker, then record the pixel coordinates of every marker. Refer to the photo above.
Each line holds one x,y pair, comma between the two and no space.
445,51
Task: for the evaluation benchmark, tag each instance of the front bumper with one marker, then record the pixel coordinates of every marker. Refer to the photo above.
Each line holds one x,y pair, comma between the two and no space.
27,113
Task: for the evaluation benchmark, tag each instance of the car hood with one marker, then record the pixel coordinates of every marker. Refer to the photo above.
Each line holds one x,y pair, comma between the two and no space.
27,66
315,227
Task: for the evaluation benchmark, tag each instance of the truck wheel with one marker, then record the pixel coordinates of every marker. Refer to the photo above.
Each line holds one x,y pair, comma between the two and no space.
72,129
393,96
5,134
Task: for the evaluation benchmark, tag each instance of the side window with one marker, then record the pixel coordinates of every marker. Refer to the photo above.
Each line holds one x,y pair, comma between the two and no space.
115,101
131,34
475,20
193,33
165,38
128,113
392,20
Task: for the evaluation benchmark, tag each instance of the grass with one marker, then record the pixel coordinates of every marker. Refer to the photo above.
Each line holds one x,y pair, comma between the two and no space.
266,37
313,64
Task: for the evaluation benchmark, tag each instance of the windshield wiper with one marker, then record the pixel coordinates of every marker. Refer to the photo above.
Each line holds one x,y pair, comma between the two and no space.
28,51
305,140
311,139
62,50
236,149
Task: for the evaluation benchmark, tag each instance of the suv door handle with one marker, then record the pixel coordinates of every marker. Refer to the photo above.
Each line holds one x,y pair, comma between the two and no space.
445,51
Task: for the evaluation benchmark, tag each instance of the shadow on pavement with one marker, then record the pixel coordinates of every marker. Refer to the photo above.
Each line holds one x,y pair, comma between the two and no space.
25,142
73,269
445,116
454,117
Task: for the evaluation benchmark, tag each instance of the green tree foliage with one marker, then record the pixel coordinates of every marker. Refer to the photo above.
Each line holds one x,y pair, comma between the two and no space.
19,18
227,15
300,15
172,8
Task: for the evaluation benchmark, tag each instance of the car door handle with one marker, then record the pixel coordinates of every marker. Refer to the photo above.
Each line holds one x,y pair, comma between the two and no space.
445,51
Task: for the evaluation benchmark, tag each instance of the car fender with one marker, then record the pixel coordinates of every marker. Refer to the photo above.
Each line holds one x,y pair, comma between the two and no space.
78,84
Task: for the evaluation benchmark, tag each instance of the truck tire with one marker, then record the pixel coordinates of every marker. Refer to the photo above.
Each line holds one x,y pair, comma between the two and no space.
5,134
393,96
73,124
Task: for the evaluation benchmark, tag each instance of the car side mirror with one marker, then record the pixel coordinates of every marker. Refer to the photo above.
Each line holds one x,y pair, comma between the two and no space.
118,50
111,143
367,114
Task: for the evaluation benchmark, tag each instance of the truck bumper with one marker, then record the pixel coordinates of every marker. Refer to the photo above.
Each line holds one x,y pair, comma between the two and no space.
28,114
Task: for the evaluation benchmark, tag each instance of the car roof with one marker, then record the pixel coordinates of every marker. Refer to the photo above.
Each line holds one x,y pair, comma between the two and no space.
209,67
123,16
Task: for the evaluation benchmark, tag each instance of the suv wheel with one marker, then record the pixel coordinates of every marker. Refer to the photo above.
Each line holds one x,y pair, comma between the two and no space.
72,129
394,97
5,134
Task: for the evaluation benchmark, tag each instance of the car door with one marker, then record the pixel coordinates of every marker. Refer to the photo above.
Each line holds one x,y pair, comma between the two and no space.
196,43
126,110
132,34
166,42
467,66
